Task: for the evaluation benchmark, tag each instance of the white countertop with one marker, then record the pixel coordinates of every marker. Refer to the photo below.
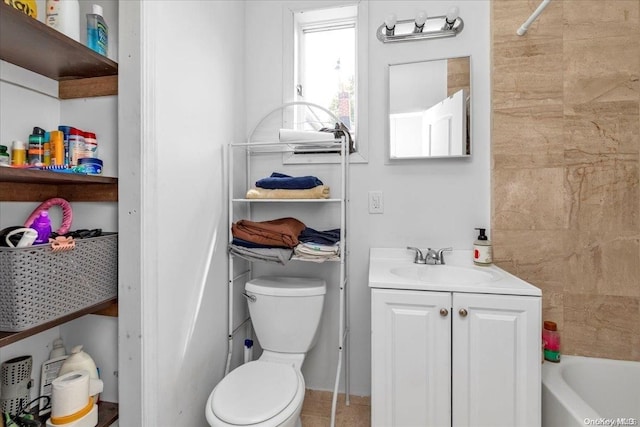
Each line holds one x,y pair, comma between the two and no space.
490,279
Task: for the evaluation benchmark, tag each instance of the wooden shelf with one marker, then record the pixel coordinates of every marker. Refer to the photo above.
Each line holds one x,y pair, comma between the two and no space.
30,44
24,185
7,338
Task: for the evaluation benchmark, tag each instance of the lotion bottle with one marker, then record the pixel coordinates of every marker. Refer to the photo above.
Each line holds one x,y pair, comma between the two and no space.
482,250
64,16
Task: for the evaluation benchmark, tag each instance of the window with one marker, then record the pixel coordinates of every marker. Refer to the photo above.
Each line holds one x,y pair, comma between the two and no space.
324,64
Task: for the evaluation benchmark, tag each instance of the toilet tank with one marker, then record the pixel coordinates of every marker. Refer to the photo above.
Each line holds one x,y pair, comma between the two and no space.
286,312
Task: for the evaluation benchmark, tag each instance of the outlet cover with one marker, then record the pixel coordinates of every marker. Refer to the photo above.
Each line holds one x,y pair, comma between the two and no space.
376,202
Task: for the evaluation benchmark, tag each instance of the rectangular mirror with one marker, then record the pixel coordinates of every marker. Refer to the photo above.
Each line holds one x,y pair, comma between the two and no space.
429,109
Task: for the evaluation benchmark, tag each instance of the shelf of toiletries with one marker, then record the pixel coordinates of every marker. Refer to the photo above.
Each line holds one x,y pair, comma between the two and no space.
28,43
22,185
7,338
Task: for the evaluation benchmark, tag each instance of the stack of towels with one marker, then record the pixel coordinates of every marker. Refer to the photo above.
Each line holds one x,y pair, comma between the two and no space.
277,240
281,186
318,246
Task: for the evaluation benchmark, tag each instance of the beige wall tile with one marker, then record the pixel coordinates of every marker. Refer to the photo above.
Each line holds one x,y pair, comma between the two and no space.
601,326
591,74
610,128
588,19
529,199
603,194
528,137
603,264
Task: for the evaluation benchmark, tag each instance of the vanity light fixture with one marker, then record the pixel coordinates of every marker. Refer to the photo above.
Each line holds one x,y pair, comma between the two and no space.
422,27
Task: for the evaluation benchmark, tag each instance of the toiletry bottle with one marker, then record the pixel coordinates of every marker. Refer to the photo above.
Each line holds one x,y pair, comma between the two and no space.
4,156
90,145
18,153
42,224
76,146
36,147
66,131
482,250
64,16
551,341
97,31
58,349
46,149
57,147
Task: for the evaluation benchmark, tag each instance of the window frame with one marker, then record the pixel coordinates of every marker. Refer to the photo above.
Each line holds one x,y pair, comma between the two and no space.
292,31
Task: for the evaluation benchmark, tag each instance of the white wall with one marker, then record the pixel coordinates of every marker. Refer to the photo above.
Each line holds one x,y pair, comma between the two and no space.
434,203
183,101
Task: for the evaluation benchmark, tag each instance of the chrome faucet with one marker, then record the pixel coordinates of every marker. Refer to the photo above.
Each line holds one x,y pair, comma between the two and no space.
440,254
432,257
419,259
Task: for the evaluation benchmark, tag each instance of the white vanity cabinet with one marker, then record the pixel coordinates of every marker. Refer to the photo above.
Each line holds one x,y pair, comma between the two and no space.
443,356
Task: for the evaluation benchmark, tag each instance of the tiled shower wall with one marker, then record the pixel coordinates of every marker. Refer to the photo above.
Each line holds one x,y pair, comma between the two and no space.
565,165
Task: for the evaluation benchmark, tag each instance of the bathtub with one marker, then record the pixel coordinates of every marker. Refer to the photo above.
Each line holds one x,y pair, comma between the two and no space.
586,391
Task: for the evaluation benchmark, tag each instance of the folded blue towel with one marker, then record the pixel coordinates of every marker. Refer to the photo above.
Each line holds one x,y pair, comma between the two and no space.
285,182
328,237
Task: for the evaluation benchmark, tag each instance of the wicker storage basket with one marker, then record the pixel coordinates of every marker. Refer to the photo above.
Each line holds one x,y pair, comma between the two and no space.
38,285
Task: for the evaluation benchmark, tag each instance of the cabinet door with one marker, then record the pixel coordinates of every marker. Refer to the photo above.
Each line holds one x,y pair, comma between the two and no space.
411,358
496,360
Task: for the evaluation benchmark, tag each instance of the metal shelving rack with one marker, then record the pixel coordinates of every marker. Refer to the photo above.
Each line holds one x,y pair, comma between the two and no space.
252,150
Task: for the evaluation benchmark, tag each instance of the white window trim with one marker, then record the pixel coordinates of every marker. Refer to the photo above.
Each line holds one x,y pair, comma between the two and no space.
362,82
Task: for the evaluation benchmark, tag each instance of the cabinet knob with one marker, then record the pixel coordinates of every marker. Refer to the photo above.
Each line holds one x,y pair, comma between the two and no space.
444,312
463,312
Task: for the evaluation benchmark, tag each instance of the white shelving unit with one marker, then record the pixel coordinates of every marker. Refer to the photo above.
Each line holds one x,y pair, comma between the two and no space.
247,155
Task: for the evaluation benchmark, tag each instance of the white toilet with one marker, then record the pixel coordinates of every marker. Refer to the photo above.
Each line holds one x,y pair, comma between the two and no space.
269,392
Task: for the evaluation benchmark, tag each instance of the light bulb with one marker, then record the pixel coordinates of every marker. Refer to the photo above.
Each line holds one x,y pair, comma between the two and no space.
390,24
421,18
390,21
452,14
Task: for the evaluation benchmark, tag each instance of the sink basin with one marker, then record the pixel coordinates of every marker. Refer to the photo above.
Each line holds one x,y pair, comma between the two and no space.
445,274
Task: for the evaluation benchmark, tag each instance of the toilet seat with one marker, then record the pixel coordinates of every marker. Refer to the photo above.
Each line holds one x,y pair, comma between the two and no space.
257,392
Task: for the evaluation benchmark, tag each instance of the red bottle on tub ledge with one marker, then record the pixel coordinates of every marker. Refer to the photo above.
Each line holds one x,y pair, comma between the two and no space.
551,341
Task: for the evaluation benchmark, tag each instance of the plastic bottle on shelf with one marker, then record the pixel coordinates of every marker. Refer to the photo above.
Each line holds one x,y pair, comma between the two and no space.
551,341
90,145
58,349
36,147
18,153
64,16
4,156
76,146
42,224
66,131
57,147
97,31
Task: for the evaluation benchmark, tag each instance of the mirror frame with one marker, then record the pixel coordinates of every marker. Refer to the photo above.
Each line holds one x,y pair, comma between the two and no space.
469,109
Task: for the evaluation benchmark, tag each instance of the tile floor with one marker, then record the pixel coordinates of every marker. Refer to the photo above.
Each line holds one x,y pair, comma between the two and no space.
316,410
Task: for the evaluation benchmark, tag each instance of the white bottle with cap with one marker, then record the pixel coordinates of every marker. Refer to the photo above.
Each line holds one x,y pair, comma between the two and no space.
64,16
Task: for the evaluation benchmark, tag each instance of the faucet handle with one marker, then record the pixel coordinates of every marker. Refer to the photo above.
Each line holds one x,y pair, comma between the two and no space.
441,254
419,259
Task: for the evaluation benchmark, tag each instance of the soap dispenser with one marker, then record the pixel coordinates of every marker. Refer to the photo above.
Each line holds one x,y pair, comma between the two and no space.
482,250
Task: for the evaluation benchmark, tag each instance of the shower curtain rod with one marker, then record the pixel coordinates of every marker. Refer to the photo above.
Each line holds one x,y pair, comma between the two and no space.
524,27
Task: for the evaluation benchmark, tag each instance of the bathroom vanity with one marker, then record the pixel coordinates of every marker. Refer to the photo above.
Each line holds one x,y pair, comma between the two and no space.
453,344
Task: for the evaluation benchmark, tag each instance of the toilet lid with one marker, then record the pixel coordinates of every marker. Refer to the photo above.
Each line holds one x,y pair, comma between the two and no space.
254,392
